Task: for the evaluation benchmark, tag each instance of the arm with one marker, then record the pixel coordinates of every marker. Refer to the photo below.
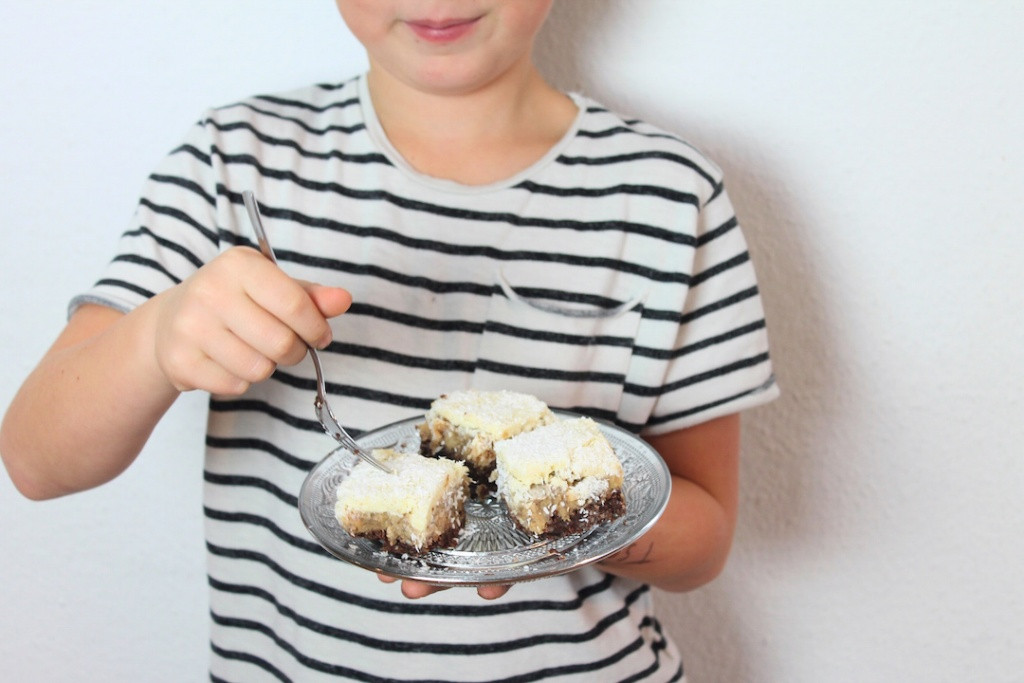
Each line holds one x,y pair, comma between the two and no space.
86,411
689,545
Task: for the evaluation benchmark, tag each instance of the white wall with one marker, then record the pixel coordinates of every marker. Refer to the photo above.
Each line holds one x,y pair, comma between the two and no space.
875,151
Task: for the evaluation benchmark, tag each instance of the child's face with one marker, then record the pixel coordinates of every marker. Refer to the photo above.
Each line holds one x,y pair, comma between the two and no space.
446,46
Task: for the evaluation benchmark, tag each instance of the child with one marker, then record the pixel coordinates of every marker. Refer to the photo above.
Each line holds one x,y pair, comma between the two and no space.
477,228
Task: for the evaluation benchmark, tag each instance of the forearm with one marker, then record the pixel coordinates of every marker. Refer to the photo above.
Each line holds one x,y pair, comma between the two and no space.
686,549
86,411
690,542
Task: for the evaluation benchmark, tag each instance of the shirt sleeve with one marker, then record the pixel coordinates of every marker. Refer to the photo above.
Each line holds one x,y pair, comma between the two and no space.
720,362
173,230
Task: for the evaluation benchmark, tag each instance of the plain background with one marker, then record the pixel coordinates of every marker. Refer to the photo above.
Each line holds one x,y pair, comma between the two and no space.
875,153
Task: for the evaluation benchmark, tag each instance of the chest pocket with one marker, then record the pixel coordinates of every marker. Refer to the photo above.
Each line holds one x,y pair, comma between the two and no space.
572,356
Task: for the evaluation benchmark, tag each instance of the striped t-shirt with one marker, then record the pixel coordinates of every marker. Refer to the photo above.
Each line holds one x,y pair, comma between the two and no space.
609,278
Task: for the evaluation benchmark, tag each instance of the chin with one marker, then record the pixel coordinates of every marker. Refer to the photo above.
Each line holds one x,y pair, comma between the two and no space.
451,78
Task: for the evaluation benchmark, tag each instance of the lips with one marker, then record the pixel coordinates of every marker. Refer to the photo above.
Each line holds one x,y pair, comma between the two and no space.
442,30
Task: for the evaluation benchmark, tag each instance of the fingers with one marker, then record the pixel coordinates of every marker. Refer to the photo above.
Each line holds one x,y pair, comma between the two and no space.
264,334
236,319
241,360
331,301
492,592
415,590
275,293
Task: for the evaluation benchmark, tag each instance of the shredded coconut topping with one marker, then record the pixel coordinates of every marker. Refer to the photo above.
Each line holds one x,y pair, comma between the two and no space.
497,413
412,490
568,449
555,471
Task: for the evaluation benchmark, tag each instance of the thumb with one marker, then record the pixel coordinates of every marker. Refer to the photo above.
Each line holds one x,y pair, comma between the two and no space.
331,301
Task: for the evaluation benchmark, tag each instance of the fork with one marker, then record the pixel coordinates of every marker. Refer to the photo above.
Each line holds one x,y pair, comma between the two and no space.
323,411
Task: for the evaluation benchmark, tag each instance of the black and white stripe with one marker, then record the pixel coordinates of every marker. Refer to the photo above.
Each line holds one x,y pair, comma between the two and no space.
611,278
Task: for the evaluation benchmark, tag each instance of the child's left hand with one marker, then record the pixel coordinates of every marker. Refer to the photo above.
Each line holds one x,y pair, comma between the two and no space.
415,590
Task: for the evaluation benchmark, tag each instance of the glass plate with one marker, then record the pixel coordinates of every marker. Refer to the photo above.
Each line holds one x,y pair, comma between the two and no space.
490,548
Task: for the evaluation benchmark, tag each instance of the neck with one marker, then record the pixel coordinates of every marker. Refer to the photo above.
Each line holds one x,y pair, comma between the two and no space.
404,110
476,136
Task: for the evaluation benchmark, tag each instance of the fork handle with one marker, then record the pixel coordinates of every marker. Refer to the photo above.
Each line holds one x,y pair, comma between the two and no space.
257,224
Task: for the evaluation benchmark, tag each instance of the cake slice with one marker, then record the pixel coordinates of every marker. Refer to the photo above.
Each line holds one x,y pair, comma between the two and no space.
419,506
560,478
465,425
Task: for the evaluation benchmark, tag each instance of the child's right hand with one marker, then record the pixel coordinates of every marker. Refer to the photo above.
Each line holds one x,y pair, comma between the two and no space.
236,319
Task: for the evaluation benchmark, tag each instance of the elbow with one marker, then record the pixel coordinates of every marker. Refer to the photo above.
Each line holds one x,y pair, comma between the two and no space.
20,473
35,493
716,564
692,580
25,484
703,573
31,487
712,570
